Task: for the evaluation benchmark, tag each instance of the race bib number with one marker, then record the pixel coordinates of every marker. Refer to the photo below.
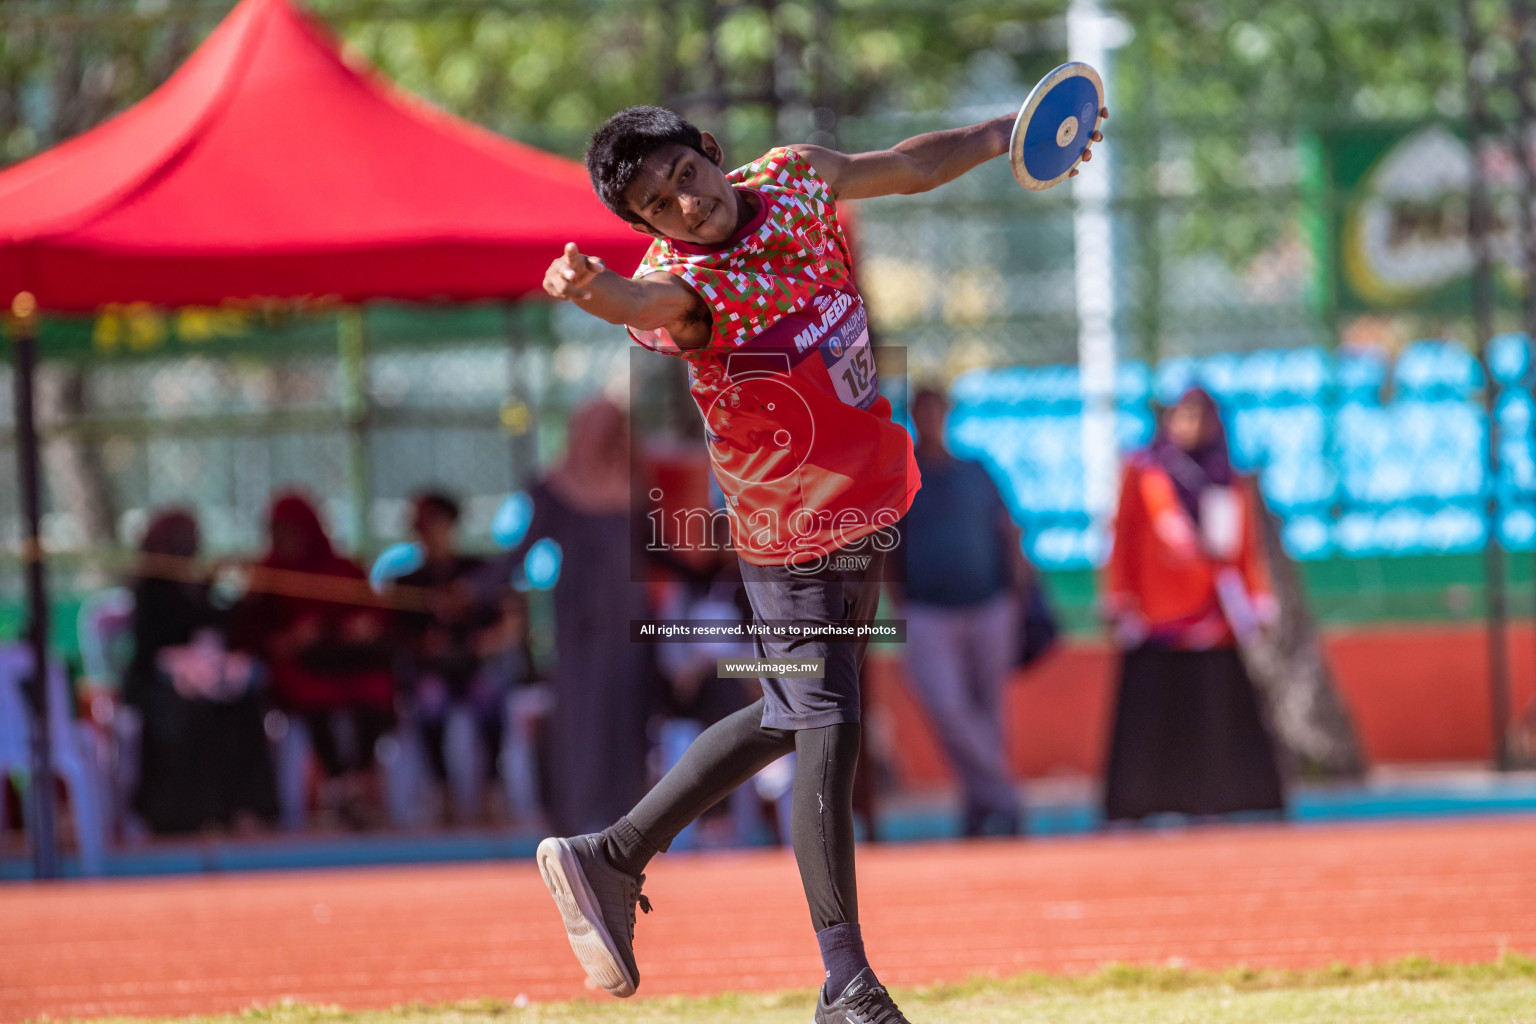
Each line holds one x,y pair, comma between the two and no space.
850,360
851,365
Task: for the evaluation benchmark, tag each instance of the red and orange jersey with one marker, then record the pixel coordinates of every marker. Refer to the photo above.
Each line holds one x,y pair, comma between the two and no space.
800,437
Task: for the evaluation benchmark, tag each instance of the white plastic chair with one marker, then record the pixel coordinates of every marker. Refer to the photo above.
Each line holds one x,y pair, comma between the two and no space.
105,620
519,763
291,751
404,765
72,746
464,757
400,762
398,753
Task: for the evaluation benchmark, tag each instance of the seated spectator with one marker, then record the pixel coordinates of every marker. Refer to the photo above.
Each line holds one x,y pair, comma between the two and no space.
464,648
203,753
312,619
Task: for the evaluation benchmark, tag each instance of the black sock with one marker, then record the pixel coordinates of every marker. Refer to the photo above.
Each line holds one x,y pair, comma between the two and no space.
842,953
626,848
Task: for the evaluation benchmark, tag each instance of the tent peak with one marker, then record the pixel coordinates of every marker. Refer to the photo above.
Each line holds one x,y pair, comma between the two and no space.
275,164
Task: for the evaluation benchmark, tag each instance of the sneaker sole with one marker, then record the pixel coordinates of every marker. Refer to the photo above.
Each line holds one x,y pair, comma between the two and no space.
590,940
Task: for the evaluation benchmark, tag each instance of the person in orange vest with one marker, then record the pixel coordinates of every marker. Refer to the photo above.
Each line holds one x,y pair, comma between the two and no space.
1186,583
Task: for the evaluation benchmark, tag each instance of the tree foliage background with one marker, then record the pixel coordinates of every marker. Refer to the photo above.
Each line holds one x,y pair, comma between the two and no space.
550,72
1209,96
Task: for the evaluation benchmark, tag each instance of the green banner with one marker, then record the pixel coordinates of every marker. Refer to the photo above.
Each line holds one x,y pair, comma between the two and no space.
142,331
1396,208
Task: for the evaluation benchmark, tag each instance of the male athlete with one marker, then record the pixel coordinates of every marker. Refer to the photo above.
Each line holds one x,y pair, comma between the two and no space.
750,279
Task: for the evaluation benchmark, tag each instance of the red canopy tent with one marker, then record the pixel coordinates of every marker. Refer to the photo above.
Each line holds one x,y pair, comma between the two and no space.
270,166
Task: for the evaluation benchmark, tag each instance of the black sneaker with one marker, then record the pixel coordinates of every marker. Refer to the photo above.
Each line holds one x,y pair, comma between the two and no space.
864,1001
597,901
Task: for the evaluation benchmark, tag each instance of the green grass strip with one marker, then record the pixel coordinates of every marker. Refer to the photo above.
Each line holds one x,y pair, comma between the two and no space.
1415,989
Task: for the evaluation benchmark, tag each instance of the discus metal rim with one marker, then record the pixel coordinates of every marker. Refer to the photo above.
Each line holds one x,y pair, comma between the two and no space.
1071,69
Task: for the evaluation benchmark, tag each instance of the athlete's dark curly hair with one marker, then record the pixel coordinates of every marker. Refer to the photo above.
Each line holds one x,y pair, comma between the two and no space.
620,146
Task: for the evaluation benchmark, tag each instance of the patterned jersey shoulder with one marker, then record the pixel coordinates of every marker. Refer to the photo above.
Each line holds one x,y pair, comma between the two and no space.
786,169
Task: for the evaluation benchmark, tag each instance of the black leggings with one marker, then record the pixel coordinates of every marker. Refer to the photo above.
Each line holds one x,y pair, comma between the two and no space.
733,750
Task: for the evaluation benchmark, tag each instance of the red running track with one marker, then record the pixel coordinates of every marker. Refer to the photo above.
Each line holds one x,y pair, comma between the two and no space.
1262,896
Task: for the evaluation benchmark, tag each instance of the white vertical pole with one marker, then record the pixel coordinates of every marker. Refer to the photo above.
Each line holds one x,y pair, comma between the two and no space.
1091,35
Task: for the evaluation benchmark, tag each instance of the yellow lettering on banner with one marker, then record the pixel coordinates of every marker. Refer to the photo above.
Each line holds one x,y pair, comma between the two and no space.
108,333
146,327
196,324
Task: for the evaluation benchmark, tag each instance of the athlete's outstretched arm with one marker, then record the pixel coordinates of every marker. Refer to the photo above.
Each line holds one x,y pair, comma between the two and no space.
918,164
660,300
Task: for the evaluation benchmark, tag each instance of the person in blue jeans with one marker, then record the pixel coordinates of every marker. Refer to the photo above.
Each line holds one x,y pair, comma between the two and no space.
964,573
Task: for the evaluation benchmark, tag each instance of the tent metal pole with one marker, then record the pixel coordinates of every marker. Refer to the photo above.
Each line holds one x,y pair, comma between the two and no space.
45,837
352,343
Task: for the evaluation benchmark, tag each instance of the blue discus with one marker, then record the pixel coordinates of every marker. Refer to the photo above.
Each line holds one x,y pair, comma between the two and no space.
1056,125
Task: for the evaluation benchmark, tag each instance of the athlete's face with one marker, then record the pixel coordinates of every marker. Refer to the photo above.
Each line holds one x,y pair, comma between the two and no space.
683,195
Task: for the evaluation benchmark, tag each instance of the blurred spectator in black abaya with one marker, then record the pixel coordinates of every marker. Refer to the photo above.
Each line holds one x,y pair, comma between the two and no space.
203,753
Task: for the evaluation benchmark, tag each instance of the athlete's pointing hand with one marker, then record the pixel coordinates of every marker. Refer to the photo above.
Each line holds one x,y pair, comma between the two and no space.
568,276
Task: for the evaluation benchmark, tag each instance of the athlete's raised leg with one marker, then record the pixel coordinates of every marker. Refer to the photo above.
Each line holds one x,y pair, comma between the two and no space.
596,879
